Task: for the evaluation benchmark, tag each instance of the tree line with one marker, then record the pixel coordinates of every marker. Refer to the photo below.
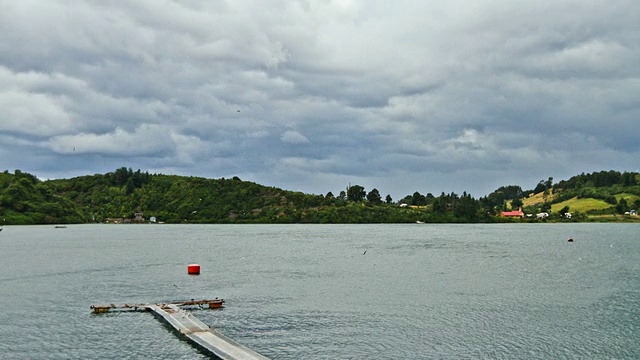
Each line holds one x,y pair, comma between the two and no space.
120,194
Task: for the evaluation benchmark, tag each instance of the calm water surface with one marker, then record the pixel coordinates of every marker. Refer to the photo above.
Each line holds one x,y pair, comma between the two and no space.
309,292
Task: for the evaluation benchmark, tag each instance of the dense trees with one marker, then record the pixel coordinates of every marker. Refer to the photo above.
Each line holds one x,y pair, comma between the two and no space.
374,197
356,193
26,200
600,179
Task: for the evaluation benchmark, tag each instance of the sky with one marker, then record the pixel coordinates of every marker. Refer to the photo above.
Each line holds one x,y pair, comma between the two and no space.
402,96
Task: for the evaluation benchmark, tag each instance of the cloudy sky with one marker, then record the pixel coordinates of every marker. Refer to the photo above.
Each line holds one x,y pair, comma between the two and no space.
403,96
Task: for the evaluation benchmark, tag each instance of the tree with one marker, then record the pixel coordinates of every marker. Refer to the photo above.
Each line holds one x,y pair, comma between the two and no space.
419,199
516,203
374,197
466,207
130,186
510,191
356,193
622,206
406,200
549,183
429,198
440,204
540,187
388,199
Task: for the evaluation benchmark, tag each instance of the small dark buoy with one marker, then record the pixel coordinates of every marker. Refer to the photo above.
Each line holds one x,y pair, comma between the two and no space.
193,269
570,239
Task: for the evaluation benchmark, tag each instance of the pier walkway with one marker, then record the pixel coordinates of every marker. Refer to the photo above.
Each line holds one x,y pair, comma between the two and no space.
201,334
188,325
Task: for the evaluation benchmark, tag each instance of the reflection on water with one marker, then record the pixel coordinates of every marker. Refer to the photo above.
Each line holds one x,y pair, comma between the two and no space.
311,291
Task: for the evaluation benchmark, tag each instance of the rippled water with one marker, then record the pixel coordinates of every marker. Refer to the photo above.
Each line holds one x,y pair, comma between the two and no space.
308,291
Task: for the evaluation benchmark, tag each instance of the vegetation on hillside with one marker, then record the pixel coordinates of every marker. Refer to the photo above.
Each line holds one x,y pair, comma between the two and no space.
26,200
120,195
599,193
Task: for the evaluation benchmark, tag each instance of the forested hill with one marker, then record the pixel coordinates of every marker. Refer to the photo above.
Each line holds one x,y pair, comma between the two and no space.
168,198
124,193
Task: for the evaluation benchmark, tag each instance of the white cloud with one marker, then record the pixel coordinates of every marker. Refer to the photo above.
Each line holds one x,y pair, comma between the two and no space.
293,137
146,140
343,90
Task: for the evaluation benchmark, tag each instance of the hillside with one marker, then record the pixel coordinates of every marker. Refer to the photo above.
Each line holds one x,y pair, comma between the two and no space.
26,200
171,198
536,199
602,193
133,196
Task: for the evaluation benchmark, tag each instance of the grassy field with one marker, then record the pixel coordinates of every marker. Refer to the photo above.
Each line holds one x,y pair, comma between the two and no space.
582,205
537,199
630,198
585,205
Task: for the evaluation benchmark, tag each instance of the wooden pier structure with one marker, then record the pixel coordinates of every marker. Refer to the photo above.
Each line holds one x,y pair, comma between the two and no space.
212,304
188,325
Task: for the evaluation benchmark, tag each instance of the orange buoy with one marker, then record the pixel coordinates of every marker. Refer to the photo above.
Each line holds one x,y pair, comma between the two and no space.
193,269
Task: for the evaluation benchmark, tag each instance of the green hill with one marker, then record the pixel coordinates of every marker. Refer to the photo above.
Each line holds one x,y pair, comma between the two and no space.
135,196
597,194
591,205
26,200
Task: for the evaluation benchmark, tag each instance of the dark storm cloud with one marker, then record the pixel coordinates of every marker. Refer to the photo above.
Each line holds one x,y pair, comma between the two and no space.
403,96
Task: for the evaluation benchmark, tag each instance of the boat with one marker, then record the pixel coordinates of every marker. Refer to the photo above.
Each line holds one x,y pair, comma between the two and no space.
61,226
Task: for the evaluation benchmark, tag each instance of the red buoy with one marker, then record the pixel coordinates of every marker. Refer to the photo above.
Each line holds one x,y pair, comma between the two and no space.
193,269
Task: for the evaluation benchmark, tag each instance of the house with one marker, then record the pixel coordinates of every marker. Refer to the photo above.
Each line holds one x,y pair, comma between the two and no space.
517,213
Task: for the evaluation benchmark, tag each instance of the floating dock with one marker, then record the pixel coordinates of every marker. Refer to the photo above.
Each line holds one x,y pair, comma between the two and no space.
188,325
198,304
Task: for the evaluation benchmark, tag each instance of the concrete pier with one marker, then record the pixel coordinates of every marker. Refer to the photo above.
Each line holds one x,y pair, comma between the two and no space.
201,334
188,325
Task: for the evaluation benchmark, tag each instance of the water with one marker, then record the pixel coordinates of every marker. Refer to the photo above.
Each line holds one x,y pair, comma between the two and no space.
308,291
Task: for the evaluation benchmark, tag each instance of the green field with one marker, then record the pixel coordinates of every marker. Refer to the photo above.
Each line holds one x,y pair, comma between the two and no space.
586,204
581,205
630,198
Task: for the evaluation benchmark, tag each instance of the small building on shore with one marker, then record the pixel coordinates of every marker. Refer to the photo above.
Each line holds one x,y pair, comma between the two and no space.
513,214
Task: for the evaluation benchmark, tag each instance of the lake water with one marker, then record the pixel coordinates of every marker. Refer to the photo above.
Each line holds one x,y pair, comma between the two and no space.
508,291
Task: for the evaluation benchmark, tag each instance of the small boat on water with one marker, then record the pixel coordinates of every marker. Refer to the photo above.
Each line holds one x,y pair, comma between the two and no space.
61,226
570,239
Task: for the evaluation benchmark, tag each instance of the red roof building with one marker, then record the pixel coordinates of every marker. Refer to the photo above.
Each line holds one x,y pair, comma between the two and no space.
517,213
